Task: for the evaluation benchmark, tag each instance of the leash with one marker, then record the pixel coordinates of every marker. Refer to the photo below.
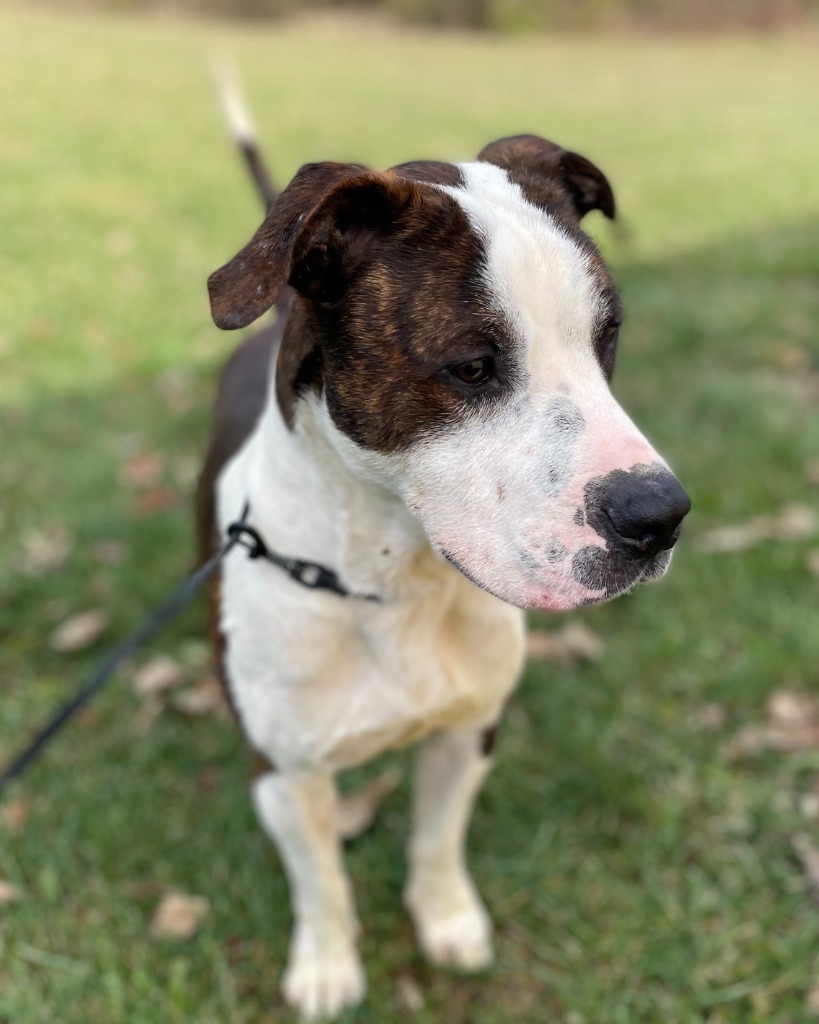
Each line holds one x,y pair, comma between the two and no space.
239,534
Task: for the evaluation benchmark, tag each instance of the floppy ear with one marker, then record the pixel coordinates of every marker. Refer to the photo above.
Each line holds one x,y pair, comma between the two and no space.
250,283
551,176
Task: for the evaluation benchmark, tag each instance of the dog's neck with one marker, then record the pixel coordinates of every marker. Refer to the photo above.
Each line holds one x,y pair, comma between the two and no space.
316,496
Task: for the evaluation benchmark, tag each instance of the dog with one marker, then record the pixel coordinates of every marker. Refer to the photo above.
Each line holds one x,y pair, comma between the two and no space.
429,424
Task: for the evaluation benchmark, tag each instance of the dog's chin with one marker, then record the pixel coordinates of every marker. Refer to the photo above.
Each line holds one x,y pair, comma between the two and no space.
529,594
606,586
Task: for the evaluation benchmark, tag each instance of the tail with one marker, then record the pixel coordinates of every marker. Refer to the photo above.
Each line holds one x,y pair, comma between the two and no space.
242,131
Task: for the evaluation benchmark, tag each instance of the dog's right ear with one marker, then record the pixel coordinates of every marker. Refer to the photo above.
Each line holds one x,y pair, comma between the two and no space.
552,177
250,283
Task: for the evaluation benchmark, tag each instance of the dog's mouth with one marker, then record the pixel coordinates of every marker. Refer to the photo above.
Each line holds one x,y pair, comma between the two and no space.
453,561
599,576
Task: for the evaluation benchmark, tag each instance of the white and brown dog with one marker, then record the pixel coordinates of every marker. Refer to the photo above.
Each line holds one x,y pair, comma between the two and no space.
430,418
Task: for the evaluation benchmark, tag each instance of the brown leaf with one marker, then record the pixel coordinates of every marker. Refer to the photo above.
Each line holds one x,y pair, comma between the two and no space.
812,472
158,674
201,699
564,646
796,522
157,499
408,994
45,550
8,893
356,811
793,522
79,631
178,916
791,709
812,561
208,780
789,356
15,815
176,386
812,1000
109,552
711,717
759,739
142,470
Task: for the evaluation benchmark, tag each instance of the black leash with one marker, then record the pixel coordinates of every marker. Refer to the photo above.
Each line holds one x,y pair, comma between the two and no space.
240,533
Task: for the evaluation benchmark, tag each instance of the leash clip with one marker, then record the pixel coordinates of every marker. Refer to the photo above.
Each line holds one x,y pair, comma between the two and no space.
314,576
308,574
248,538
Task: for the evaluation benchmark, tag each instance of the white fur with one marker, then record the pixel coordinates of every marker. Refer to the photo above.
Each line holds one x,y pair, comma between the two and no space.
322,683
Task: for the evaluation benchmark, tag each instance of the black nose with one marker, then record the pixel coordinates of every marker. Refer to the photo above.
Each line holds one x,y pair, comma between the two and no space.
646,509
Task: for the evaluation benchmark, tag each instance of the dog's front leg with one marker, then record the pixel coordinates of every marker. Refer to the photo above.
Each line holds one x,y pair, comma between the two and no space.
300,813
451,922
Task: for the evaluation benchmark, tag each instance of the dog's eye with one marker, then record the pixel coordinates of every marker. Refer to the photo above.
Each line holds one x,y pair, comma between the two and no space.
475,372
607,349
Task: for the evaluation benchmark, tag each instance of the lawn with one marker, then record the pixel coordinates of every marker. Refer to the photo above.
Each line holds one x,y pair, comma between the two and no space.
635,871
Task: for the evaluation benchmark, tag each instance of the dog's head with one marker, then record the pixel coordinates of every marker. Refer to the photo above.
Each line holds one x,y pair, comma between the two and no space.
461,331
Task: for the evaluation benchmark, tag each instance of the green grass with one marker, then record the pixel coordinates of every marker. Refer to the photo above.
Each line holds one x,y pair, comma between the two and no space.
634,874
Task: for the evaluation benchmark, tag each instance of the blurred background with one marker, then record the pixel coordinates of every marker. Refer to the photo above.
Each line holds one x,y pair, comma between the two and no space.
648,844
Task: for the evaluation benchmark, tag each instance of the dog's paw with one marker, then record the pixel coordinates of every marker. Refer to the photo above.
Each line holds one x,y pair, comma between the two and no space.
453,933
319,985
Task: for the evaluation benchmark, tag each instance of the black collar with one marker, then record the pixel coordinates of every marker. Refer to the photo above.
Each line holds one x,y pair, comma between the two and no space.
308,574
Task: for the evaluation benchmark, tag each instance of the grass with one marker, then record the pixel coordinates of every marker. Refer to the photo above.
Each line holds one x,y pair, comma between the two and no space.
633,872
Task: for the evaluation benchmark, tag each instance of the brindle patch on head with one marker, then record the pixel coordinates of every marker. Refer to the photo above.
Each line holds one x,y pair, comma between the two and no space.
417,306
433,172
299,364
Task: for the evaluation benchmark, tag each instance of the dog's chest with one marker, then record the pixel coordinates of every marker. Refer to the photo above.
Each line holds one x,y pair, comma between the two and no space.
322,679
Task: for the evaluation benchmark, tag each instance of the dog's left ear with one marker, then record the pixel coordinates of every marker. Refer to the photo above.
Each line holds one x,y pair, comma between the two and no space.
316,235
552,177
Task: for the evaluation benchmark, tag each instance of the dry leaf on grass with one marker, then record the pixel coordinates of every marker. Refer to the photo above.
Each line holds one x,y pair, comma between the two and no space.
8,893
571,643
793,522
15,815
792,727
711,717
788,355
176,386
792,709
408,994
45,550
178,916
156,499
142,470
201,699
158,674
812,1000
357,811
79,631
109,552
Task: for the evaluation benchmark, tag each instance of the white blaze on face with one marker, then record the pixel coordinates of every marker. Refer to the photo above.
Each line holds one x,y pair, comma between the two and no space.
500,492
